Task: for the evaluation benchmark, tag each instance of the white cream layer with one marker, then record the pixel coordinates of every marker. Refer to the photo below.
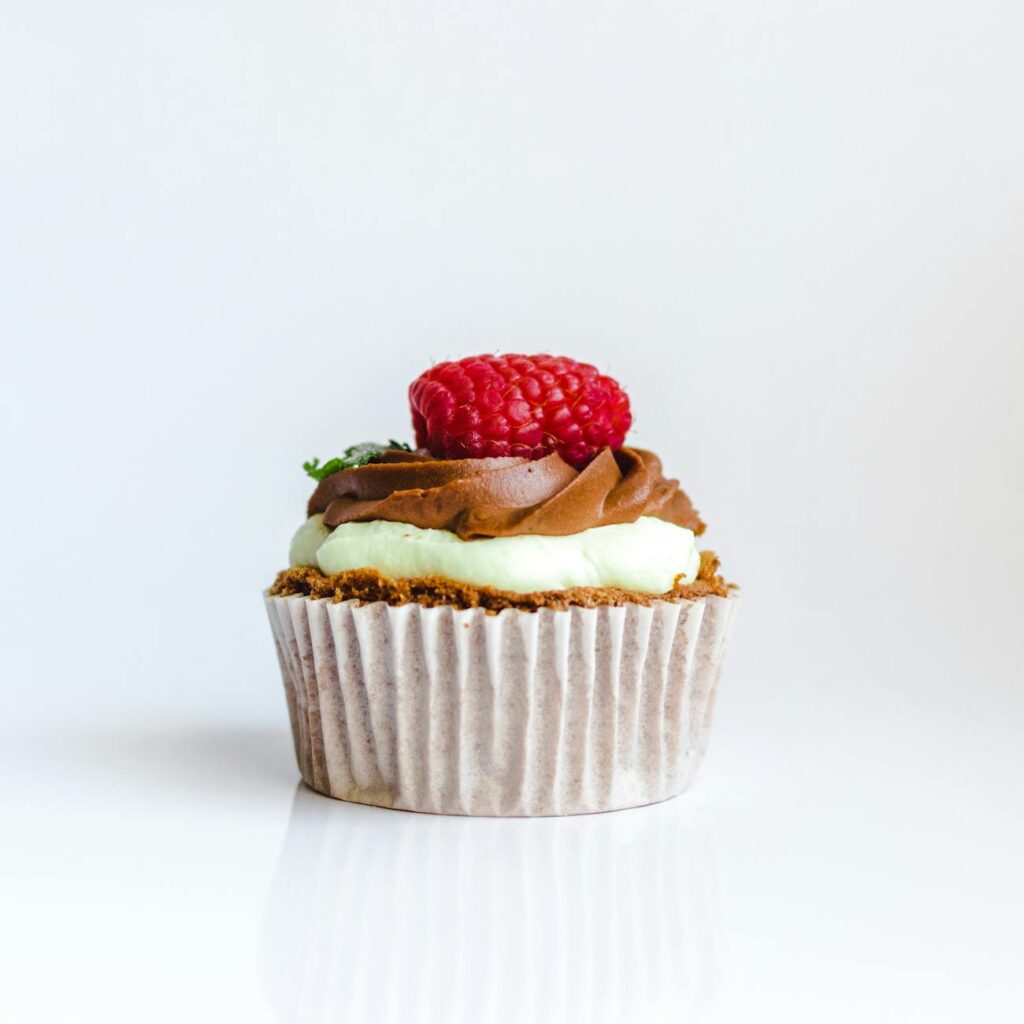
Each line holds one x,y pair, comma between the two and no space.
646,556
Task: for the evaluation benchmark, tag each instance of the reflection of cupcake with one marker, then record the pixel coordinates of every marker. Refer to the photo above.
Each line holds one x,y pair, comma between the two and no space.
513,619
605,917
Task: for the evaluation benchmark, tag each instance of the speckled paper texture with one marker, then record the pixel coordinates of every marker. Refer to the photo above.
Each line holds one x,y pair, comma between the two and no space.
454,711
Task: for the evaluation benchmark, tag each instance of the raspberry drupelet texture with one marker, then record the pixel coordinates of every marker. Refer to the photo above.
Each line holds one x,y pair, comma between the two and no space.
527,406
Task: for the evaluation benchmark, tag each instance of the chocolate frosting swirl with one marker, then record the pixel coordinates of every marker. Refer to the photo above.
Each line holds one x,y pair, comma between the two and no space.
503,497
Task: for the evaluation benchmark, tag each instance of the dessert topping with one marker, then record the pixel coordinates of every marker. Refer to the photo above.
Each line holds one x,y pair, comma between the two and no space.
491,406
357,455
502,497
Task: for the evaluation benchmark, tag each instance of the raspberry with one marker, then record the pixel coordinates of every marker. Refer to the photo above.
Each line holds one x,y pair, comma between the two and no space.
529,406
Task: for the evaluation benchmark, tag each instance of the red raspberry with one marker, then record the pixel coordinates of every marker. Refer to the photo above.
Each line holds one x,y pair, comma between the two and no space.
528,406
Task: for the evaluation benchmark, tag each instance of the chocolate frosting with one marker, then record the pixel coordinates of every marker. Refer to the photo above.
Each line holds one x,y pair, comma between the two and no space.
478,498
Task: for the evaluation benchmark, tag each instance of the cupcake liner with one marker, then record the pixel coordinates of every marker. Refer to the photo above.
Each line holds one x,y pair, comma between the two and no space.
455,711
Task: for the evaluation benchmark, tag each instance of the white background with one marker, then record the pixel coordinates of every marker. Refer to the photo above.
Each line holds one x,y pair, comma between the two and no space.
231,234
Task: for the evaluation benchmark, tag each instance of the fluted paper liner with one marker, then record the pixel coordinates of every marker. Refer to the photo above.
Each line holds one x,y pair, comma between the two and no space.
455,711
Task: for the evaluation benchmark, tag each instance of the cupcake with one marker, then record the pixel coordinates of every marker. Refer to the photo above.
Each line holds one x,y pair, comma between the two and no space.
512,619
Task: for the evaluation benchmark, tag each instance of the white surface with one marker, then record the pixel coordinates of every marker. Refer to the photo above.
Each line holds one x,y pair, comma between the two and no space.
850,859
231,235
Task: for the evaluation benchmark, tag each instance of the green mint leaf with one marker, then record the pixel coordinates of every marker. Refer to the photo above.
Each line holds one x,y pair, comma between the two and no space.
357,455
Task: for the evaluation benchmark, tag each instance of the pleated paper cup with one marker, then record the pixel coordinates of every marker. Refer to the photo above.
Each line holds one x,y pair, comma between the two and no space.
457,711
